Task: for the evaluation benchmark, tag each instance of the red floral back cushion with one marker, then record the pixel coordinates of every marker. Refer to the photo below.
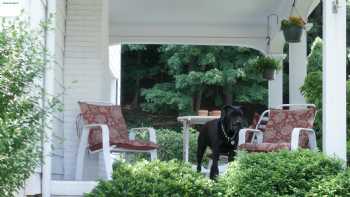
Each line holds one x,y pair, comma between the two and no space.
282,122
104,114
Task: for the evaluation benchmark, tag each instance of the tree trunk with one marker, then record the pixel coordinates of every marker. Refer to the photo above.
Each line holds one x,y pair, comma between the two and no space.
228,90
199,95
198,101
135,100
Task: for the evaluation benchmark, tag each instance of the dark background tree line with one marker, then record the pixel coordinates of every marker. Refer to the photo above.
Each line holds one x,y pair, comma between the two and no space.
184,79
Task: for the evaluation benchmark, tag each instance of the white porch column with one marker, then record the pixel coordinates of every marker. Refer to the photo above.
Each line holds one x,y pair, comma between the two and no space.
115,53
334,79
276,86
297,69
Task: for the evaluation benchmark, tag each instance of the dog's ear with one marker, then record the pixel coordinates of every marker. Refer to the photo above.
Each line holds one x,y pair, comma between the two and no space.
242,109
224,110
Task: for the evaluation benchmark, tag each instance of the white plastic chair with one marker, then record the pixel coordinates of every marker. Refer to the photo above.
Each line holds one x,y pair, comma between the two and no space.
107,148
258,134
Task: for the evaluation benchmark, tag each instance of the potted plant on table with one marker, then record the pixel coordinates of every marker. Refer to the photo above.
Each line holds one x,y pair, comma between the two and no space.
293,28
267,66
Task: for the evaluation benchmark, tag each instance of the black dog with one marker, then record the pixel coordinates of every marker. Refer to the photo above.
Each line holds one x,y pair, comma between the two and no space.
221,135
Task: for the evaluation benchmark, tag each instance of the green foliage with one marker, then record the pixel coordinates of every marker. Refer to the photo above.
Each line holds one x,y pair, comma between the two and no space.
170,145
284,173
312,91
154,179
201,74
140,66
348,151
21,117
264,63
164,98
292,21
333,186
315,57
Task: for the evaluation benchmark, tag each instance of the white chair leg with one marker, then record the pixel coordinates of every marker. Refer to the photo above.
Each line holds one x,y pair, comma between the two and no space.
81,154
153,155
107,152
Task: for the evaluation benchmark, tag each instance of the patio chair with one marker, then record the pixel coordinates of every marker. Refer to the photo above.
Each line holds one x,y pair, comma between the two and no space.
104,129
288,127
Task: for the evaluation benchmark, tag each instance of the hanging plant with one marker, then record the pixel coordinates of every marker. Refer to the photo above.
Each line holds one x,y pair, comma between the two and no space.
267,66
293,28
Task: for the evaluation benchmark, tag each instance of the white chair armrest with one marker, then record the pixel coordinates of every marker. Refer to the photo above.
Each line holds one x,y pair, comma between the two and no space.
295,138
105,132
242,134
105,147
150,130
89,126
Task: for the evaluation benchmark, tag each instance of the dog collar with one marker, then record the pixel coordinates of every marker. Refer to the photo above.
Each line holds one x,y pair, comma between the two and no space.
229,139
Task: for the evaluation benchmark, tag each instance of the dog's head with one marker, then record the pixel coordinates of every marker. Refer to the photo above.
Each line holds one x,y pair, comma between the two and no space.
232,117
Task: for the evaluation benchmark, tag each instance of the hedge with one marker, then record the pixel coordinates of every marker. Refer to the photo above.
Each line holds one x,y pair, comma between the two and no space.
333,186
154,179
283,173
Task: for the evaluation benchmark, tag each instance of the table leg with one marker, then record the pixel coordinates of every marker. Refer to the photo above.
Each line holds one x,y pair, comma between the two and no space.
186,141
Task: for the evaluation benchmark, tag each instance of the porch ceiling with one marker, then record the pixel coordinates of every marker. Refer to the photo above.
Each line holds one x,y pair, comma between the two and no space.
220,22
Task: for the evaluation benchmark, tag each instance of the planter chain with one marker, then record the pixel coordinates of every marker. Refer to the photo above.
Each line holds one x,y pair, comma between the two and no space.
268,31
294,8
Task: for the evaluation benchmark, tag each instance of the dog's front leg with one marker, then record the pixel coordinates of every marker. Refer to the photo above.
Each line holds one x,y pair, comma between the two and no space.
214,171
201,147
231,155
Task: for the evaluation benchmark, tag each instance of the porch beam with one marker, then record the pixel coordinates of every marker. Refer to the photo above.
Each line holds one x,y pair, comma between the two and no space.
297,69
334,79
276,85
115,53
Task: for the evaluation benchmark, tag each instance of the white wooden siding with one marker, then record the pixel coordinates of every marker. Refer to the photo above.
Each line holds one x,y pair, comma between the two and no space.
85,71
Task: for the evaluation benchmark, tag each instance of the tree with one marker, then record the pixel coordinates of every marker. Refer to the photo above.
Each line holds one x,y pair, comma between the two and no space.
22,118
140,63
219,73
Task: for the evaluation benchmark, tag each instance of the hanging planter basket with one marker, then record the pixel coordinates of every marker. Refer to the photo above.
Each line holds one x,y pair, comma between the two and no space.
267,66
293,28
269,74
292,33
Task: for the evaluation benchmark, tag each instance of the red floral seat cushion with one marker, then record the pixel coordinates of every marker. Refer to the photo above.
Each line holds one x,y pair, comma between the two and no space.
280,125
112,116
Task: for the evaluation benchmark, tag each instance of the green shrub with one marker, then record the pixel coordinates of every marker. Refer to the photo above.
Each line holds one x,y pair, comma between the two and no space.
333,186
170,145
284,173
22,64
154,179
